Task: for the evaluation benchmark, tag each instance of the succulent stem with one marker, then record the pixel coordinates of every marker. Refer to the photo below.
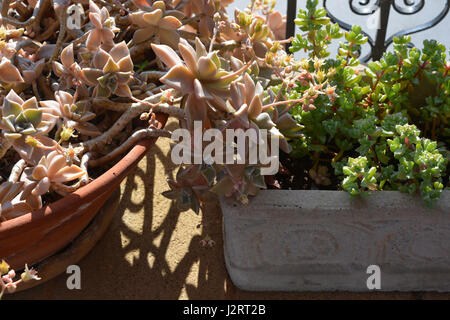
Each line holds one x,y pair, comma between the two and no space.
37,12
131,141
121,107
135,110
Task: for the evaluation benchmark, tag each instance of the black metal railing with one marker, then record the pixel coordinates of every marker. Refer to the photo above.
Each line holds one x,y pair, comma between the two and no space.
370,7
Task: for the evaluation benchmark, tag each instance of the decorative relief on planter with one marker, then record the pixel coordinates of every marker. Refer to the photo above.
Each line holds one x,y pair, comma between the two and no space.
284,241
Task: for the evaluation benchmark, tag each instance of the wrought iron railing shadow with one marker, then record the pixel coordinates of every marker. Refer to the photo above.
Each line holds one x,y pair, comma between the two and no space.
381,42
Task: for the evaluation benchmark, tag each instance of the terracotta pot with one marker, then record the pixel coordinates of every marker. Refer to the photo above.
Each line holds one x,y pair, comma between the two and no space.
37,235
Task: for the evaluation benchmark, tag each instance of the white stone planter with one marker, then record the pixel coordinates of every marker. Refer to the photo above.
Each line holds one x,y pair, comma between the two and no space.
323,241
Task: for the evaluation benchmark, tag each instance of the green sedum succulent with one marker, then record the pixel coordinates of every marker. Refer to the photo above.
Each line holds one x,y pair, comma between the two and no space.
385,127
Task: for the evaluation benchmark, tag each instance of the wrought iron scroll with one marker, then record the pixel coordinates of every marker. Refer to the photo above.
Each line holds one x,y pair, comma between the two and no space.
369,7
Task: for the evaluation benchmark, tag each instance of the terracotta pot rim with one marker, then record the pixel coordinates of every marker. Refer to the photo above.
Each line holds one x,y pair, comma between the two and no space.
108,180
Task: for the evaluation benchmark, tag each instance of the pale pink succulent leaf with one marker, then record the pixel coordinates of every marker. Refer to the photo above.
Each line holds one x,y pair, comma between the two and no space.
264,121
42,187
88,129
277,23
17,210
104,13
64,97
249,88
206,68
195,111
50,106
67,57
35,202
96,20
236,64
31,103
198,90
47,160
153,17
167,55
137,18
170,23
242,111
6,123
125,64
93,8
169,37
11,108
259,89
68,173
107,36
102,92
58,68
9,190
100,59
142,35
9,73
179,78
32,155
123,77
94,40
12,136
255,107
220,104
123,90
87,116
56,164
236,96
189,56
39,172
111,67
39,66
12,96
91,75
29,75
199,48
119,51
34,116
275,19
159,5
215,58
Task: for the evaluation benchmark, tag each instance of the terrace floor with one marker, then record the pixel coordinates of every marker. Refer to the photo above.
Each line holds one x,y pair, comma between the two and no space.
152,251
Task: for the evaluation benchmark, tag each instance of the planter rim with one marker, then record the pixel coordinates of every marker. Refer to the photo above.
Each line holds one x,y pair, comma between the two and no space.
330,200
108,180
445,193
